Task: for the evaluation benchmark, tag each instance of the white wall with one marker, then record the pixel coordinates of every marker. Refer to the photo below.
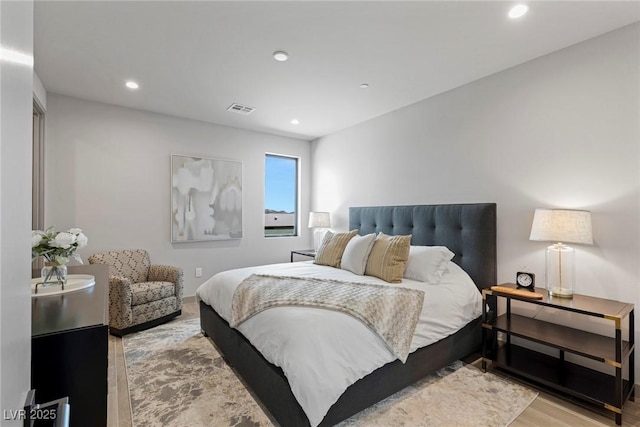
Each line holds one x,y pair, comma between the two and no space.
107,171
559,131
16,106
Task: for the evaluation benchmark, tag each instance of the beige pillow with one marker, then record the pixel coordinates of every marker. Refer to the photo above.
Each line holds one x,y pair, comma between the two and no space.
388,257
332,248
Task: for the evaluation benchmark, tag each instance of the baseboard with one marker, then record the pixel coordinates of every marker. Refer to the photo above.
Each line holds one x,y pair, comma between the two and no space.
192,298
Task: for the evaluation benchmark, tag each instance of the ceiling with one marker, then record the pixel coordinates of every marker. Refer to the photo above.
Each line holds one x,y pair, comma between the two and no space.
194,59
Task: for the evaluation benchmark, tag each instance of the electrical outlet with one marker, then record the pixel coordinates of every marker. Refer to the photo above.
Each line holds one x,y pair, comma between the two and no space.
198,271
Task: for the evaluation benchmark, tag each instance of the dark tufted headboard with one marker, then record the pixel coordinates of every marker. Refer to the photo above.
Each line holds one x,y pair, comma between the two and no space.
469,230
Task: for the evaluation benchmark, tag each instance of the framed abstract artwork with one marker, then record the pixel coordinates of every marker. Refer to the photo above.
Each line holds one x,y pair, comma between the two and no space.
206,199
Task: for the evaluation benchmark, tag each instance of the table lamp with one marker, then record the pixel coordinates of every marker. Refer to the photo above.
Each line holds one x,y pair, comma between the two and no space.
320,221
561,226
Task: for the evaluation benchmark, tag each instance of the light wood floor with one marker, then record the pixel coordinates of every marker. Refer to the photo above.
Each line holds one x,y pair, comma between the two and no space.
545,411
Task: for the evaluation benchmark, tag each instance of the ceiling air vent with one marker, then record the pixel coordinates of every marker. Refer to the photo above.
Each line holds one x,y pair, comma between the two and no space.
240,109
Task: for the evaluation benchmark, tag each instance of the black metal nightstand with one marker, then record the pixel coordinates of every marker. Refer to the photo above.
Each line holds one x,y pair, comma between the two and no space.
311,253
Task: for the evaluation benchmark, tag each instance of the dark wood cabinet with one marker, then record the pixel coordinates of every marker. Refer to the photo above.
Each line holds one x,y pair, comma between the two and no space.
568,379
69,348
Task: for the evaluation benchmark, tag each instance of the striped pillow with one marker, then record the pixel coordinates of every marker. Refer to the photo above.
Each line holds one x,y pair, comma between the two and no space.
388,257
332,248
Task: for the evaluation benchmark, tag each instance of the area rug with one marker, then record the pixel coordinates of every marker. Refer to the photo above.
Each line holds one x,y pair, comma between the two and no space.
177,378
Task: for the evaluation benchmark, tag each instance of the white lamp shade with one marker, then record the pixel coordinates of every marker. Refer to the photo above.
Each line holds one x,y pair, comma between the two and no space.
319,220
562,225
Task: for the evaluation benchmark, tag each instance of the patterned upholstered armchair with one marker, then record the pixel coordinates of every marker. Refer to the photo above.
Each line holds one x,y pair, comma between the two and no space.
141,295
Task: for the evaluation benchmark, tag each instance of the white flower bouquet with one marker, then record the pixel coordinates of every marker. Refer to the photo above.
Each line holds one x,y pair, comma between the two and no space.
57,246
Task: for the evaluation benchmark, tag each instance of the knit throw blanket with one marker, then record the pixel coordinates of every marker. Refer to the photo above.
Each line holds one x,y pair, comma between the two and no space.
391,312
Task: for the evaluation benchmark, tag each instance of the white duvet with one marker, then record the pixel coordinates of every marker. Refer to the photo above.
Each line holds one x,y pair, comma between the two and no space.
322,352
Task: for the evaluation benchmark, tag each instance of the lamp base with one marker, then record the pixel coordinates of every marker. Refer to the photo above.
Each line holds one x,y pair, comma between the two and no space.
560,293
318,236
560,271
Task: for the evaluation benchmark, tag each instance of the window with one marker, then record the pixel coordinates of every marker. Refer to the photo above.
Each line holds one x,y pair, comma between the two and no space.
280,196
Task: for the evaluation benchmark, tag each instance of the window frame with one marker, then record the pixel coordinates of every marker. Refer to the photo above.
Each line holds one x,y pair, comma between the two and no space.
37,173
296,222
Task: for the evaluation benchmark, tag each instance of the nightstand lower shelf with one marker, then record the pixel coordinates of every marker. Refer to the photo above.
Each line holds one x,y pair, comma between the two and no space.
561,377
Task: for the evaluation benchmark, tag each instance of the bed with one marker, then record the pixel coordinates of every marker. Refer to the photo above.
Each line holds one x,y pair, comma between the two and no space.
469,230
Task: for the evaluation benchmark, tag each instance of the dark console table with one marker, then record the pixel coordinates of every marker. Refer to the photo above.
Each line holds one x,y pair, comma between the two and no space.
600,389
69,348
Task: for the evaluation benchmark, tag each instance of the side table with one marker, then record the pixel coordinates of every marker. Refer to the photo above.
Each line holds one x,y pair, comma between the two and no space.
569,379
311,253
70,347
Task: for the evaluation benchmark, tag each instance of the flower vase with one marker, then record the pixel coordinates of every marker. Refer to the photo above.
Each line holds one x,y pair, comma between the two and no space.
54,273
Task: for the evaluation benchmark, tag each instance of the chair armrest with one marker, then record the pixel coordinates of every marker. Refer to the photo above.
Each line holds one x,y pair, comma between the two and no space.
120,285
168,273
120,299
164,273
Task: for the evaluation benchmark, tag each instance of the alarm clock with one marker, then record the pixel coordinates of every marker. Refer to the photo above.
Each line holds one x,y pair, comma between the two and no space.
526,280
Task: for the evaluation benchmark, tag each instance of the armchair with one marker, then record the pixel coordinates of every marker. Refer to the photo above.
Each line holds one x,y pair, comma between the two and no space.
141,295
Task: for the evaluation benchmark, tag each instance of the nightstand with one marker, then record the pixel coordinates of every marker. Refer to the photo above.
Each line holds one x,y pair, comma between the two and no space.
569,380
311,253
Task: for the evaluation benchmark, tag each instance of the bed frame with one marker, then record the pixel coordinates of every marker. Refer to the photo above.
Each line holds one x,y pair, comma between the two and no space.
469,230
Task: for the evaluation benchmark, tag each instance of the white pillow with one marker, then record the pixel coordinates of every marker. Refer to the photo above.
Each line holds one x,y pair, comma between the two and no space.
356,253
427,263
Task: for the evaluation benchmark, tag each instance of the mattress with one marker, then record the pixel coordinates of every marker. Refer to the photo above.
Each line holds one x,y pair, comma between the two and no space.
323,352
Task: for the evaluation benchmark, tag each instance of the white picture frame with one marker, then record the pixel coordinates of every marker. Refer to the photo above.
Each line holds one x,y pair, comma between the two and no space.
206,199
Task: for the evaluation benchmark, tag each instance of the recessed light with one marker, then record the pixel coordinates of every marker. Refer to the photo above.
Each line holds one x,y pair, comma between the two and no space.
364,85
280,55
518,11
132,85
295,122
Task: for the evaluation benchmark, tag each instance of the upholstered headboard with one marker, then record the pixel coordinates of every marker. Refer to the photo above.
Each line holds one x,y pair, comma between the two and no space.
468,230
